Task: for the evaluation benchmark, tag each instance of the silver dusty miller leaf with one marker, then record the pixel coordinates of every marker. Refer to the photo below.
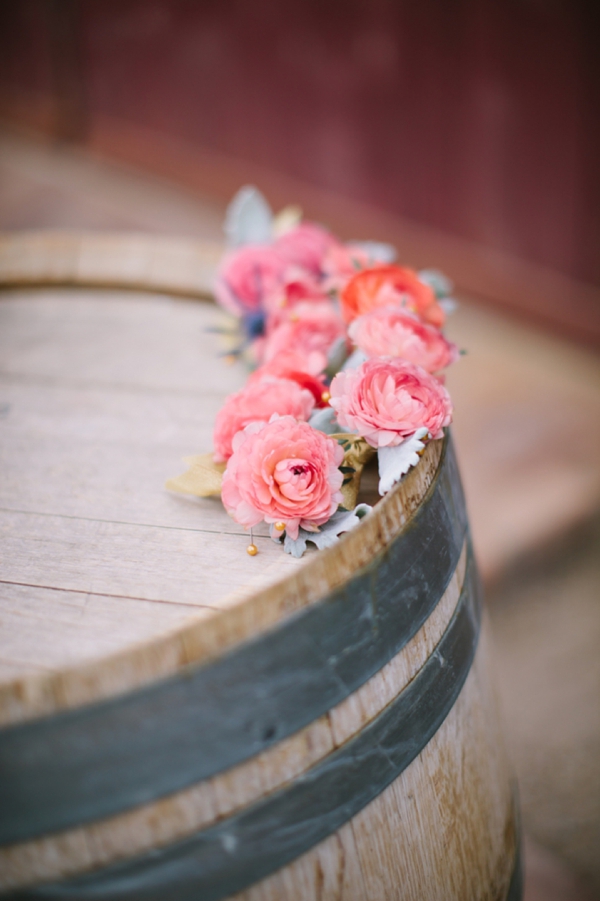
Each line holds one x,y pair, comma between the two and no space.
337,356
328,534
356,359
394,462
324,421
439,283
377,251
249,219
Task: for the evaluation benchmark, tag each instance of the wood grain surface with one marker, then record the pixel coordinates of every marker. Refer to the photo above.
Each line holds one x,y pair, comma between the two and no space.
101,397
143,262
443,831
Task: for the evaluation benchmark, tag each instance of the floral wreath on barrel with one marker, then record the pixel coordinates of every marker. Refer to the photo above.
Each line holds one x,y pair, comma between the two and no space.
346,350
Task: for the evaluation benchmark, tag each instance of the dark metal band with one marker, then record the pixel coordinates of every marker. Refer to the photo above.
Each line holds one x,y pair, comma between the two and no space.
515,889
82,765
250,845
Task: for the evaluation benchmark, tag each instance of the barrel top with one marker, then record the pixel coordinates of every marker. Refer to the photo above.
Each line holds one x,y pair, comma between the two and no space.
107,580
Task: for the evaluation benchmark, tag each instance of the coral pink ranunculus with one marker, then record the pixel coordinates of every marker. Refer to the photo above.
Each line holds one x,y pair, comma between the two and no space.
382,286
392,332
306,245
257,402
386,400
283,471
310,329
247,276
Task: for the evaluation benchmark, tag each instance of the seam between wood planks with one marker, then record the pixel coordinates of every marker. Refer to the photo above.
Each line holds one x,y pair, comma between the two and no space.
104,594
124,522
43,381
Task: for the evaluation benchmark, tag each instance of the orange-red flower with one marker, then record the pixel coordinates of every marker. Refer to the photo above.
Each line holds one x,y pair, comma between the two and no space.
383,286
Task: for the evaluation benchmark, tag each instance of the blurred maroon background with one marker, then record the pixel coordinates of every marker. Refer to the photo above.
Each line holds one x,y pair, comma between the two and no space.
464,130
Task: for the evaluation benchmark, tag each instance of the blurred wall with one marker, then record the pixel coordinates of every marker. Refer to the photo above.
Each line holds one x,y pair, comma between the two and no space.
475,119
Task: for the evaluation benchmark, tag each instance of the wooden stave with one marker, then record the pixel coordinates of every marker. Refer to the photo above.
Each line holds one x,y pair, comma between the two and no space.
421,840
501,864
119,260
59,856
78,889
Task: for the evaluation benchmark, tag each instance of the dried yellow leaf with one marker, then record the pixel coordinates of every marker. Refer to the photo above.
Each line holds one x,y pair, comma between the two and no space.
203,478
357,452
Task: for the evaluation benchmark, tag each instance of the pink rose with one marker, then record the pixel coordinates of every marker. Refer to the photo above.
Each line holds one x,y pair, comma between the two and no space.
283,471
310,329
393,332
386,400
306,246
256,403
247,275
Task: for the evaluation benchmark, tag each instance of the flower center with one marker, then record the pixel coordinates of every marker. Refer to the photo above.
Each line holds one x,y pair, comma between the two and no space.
293,478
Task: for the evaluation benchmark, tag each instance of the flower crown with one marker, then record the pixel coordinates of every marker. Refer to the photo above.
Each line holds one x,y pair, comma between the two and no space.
346,350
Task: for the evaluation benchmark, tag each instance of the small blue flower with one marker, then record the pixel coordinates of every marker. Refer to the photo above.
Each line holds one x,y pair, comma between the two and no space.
254,324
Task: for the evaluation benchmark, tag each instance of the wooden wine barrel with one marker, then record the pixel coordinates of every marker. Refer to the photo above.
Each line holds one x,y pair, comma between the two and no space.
181,721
